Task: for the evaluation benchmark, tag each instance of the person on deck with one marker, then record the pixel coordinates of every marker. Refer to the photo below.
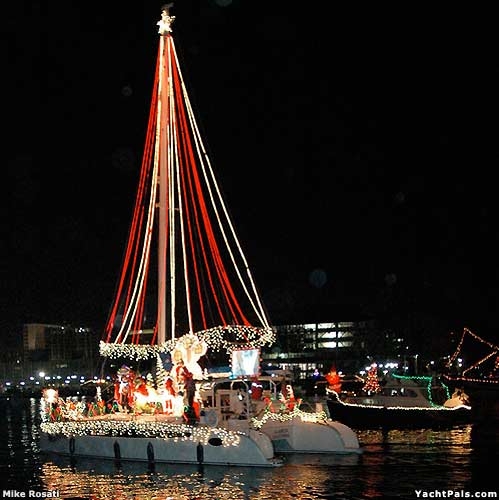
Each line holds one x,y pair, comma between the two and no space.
190,392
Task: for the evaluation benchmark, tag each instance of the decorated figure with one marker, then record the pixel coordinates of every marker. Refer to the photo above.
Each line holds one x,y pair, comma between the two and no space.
333,380
180,373
290,400
123,387
189,350
256,389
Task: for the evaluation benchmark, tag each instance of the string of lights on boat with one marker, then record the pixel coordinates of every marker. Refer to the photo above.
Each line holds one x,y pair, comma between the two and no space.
279,416
216,338
66,417
138,428
423,379
465,375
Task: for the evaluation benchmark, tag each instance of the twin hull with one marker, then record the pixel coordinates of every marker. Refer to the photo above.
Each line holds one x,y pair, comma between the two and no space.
254,449
296,436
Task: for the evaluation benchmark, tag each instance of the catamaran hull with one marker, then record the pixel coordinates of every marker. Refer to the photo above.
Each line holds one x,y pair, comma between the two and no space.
255,451
297,436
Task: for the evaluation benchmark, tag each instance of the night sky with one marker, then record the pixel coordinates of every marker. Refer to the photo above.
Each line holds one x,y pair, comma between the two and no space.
355,146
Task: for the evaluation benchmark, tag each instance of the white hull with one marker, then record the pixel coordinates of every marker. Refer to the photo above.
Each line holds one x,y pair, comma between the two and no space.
297,436
254,449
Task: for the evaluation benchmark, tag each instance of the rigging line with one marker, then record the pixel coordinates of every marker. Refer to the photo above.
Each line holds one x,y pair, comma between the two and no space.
132,250
259,309
141,274
138,322
169,170
219,264
190,162
167,201
128,265
138,210
177,166
136,253
144,259
194,187
133,265
466,332
478,363
492,346
136,276
192,221
213,241
225,285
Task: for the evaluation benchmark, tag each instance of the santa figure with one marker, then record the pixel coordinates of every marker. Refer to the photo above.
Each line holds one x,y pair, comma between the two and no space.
333,380
169,395
123,390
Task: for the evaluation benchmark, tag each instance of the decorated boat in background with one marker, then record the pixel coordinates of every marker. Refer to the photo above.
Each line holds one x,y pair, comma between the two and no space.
400,402
474,368
474,365
167,402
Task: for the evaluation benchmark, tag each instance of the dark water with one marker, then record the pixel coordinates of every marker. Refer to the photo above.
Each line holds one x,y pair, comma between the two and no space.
393,465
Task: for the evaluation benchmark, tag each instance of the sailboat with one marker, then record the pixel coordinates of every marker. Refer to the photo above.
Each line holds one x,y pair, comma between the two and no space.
481,372
208,307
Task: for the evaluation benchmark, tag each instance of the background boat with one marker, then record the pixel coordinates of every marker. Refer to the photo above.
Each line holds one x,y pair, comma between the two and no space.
401,402
474,368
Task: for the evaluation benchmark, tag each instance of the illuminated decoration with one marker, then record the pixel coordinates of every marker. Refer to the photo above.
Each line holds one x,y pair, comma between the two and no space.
165,24
74,418
467,374
371,385
286,416
437,408
421,380
204,285
425,380
50,395
54,409
162,375
135,428
246,337
405,402
334,380
189,348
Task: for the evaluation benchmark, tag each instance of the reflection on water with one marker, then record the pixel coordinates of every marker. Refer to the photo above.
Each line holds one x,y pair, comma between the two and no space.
393,464
459,437
135,481
19,450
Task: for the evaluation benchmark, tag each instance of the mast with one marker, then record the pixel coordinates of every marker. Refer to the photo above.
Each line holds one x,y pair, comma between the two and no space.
163,154
204,284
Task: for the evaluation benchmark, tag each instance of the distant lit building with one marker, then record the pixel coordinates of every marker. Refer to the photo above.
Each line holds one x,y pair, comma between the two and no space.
60,348
305,349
